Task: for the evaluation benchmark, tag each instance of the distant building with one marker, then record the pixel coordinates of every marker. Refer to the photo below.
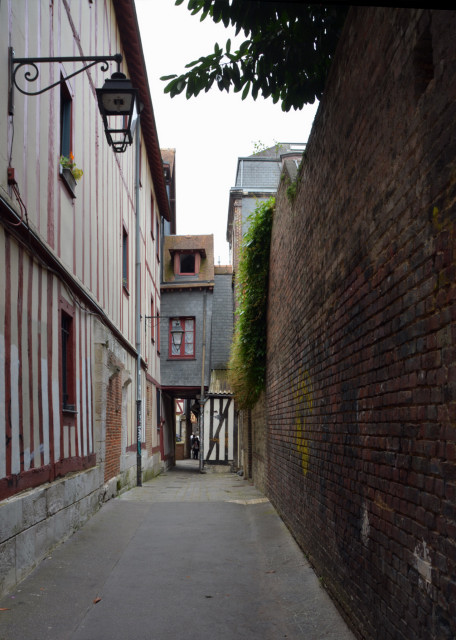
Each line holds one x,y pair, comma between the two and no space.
257,180
196,331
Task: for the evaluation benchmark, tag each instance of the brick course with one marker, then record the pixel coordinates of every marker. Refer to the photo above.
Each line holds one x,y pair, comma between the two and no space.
361,389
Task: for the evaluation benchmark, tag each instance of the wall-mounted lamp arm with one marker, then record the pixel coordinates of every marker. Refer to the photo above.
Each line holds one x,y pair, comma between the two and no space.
32,75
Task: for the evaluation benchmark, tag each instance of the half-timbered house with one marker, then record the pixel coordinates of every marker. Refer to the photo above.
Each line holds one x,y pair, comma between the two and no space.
80,401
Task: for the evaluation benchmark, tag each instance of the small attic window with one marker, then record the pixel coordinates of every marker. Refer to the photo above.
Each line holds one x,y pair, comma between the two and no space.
187,263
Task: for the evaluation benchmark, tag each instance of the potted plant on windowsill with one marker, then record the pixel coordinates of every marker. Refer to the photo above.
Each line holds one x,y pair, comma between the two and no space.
70,173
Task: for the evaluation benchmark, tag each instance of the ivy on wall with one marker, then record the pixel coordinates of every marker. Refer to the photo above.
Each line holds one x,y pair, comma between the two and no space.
247,367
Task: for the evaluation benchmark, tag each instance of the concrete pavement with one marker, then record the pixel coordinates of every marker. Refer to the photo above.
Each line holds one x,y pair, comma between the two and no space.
187,555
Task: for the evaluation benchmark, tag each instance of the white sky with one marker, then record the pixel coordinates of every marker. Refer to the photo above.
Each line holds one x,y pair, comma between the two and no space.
211,131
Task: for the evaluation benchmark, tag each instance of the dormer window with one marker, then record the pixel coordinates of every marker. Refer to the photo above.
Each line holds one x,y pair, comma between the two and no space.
187,262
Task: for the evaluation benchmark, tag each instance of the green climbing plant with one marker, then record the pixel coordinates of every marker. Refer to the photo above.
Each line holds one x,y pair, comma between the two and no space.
247,367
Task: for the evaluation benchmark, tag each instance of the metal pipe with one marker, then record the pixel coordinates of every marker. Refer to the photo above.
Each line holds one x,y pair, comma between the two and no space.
202,400
138,312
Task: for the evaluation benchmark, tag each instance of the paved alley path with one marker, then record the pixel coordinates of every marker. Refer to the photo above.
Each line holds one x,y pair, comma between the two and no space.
186,556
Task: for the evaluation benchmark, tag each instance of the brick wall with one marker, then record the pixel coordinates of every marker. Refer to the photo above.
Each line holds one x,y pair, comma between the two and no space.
361,389
113,427
258,445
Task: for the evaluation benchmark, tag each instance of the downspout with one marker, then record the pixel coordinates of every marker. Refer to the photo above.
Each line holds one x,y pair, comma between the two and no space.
162,240
138,313
202,400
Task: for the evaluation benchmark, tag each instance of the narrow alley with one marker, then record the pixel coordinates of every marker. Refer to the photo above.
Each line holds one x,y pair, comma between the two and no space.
187,555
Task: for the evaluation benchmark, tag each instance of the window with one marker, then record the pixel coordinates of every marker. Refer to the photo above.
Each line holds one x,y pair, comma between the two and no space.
157,237
125,259
140,159
182,338
66,115
152,216
152,321
68,365
187,263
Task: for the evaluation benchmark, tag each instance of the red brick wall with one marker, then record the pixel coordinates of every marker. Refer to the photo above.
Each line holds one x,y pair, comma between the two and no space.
361,390
113,427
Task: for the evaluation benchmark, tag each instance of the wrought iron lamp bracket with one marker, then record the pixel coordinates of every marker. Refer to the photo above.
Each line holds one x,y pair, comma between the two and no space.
32,75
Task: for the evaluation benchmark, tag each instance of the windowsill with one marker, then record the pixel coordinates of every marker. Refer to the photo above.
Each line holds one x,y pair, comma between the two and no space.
70,410
68,180
180,358
187,276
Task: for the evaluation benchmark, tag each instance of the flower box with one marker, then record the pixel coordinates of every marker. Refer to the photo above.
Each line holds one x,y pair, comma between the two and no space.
68,180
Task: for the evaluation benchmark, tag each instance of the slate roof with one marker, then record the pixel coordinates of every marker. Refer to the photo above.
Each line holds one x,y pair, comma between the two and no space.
262,170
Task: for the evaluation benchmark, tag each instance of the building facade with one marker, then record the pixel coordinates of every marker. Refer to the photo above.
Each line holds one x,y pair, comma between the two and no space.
80,403
197,305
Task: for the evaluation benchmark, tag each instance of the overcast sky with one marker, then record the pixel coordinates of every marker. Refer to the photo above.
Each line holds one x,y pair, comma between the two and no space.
211,131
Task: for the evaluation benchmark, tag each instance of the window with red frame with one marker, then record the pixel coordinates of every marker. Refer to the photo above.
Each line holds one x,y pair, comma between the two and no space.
186,349
66,120
152,216
125,259
157,237
152,321
68,374
187,263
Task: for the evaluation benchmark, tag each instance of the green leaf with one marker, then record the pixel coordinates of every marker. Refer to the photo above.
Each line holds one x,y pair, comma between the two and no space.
192,64
245,93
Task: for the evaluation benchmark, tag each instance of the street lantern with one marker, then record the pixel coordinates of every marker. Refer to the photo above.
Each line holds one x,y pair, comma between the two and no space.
177,334
118,102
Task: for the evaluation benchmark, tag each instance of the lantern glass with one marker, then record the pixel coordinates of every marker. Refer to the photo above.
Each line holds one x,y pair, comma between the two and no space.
117,101
177,333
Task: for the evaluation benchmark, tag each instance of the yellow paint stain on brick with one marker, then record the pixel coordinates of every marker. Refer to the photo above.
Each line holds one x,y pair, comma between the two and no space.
382,504
435,219
303,397
440,221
